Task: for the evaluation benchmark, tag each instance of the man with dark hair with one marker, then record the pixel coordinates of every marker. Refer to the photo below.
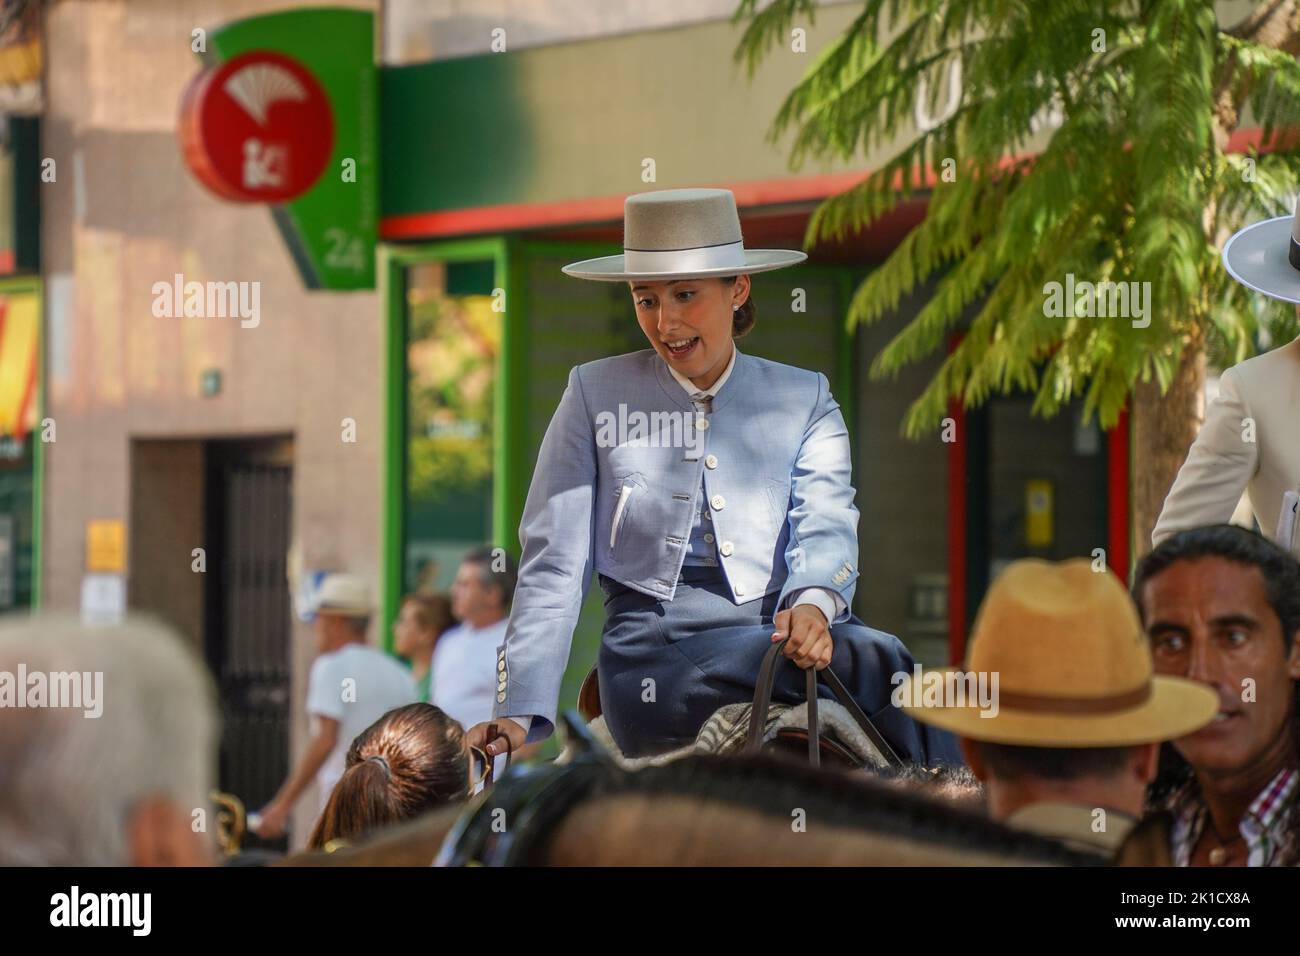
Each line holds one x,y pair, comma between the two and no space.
1221,606
464,675
497,569
1058,708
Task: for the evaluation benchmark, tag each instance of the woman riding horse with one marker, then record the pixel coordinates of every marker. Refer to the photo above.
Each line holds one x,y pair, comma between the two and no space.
711,491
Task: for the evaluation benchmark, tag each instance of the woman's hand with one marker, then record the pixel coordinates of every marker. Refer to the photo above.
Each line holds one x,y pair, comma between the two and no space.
810,636
476,736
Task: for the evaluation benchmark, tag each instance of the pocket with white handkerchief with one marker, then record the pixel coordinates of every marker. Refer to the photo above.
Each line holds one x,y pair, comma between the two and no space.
1286,520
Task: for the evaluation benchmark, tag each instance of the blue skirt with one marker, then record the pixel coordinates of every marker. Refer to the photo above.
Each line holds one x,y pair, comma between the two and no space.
666,666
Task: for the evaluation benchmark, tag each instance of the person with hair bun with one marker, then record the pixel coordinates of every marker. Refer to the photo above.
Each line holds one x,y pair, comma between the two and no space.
411,760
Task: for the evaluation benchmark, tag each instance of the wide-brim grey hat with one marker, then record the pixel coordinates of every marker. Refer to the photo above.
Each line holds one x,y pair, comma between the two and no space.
1265,257
682,234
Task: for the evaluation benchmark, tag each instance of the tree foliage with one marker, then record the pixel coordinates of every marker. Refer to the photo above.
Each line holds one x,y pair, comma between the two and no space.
1135,184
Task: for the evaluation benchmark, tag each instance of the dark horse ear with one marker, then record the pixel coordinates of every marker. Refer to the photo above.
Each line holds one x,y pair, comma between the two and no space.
577,736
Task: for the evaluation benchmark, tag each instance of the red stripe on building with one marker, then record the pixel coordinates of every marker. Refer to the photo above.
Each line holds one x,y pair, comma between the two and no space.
1117,496
514,216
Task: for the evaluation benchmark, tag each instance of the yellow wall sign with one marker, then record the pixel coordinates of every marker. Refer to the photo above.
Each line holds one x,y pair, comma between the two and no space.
1038,513
20,331
106,545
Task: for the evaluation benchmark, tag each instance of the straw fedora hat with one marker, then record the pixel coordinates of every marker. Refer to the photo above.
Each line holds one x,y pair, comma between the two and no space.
1265,257
345,595
1073,667
682,234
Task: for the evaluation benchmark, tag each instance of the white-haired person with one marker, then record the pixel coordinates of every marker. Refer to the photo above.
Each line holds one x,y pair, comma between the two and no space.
112,750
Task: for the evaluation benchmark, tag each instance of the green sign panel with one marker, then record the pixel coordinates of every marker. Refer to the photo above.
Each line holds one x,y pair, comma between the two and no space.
257,119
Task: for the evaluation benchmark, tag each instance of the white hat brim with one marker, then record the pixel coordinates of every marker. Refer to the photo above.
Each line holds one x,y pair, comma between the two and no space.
1257,258
611,268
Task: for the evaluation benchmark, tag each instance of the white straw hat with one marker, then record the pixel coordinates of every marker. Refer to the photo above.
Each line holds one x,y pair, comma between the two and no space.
681,234
344,595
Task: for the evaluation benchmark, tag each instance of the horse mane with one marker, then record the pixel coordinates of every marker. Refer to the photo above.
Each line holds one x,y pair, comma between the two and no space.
772,786
548,798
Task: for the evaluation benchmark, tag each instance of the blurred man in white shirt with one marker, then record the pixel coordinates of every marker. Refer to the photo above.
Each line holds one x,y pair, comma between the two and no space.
464,678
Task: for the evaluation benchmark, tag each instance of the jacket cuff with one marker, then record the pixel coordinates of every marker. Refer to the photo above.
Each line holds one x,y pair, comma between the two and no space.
825,600
523,722
528,715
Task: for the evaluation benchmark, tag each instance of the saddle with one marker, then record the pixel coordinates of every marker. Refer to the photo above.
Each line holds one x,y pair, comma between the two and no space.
777,729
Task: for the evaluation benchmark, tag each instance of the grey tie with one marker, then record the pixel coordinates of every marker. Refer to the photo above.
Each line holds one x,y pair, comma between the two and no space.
703,405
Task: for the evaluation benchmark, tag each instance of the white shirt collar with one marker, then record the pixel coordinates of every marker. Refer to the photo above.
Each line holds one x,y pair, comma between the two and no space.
693,389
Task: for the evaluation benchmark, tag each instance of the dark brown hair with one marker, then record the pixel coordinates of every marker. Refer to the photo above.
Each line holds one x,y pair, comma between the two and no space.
742,320
410,760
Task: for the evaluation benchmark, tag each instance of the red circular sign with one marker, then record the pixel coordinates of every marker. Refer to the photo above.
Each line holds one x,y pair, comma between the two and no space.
257,129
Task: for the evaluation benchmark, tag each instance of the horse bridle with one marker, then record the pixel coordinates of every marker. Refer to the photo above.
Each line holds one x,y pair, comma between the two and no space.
530,800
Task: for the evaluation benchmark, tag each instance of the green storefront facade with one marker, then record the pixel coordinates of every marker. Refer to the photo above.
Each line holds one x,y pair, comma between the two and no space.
23,429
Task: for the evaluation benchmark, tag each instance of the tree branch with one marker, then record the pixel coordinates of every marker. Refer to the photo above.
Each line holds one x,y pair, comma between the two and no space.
1273,25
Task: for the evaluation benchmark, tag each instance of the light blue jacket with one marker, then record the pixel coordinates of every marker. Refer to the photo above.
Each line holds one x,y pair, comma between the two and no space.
616,491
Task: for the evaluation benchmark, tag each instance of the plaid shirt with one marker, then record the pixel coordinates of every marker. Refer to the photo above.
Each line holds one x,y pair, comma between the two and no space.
1261,826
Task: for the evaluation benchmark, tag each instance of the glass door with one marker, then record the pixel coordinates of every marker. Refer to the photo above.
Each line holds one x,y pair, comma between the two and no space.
453,341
